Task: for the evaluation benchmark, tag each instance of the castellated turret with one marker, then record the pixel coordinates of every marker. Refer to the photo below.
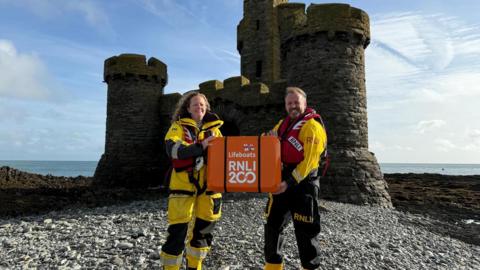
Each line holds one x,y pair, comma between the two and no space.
322,51
258,41
133,144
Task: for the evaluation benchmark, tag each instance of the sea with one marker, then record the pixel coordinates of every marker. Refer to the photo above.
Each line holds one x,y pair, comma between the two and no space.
87,168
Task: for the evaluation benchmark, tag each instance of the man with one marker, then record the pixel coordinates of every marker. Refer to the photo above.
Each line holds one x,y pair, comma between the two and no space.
303,139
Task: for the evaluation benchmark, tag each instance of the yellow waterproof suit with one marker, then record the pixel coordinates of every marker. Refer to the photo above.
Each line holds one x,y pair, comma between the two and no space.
303,140
189,196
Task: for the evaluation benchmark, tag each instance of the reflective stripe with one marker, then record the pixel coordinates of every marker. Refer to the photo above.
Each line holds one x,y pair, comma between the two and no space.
269,205
297,176
175,149
273,266
197,253
299,125
168,260
180,195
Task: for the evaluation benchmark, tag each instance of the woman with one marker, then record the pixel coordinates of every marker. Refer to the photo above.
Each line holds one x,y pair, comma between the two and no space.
193,127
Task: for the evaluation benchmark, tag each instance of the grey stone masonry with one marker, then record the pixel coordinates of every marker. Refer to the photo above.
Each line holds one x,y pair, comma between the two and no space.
258,41
134,125
326,59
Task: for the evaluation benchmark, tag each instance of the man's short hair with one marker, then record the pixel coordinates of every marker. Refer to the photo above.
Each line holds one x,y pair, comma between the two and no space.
295,90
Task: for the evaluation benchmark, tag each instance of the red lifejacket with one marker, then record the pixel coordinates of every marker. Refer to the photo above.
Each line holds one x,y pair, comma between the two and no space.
189,163
190,138
289,131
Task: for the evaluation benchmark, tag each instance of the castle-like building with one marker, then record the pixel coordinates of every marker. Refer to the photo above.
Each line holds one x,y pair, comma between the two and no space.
320,49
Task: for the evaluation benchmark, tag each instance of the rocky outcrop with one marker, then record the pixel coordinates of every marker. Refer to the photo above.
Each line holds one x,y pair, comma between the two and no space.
452,201
11,178
23,193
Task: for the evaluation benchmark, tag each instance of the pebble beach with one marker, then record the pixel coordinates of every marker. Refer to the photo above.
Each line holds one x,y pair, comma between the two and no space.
130,236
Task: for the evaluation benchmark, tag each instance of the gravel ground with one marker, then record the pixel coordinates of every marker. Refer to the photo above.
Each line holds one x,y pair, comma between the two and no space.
129,237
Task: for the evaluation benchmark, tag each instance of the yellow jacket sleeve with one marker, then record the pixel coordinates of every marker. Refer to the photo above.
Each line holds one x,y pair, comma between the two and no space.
177,147
314,140
277,126
175,133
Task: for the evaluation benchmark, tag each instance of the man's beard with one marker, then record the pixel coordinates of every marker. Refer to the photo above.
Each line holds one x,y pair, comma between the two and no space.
294,113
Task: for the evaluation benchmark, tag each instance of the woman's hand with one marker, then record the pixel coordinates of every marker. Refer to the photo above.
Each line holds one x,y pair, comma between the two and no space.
281,188
270,133
206,142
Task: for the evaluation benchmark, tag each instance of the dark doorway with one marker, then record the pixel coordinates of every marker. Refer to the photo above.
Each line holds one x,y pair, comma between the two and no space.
258,69
230,128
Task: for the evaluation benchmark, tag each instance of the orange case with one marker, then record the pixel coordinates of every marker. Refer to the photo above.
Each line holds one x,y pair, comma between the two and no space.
244,164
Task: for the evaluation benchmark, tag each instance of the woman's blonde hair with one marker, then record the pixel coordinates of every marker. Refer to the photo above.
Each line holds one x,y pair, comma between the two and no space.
181,109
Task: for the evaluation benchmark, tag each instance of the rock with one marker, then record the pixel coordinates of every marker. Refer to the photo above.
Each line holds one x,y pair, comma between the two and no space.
154,255
125,245
47,221
374,244
116,260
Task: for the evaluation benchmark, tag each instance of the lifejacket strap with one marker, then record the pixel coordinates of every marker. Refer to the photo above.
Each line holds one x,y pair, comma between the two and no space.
175,149
196,183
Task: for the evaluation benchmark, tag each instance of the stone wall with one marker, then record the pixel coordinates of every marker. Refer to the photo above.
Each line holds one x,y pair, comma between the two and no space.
134,126
322,52
246,108
258,41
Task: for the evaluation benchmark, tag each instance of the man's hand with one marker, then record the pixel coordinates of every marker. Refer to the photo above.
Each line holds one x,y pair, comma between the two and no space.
206,142
281,188
271,133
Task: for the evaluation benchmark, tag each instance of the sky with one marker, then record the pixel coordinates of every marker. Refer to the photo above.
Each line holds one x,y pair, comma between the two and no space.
422,70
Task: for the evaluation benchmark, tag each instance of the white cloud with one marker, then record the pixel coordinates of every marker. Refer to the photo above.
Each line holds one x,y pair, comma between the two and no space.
58,131
377,146
22,76
428,125
420,55
474,134
171,12
52,9
223,55
444,145
11,114
429,41
473,139
423,71
383,147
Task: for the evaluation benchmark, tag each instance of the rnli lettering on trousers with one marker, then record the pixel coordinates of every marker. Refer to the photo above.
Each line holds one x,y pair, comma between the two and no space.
302,218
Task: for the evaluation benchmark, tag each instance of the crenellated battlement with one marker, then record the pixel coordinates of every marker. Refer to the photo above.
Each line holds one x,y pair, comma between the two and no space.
241,91
135,65
291,19
247,4
338,20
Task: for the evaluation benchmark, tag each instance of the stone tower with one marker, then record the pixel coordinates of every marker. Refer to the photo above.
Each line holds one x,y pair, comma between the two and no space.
322,51
134,126
258,41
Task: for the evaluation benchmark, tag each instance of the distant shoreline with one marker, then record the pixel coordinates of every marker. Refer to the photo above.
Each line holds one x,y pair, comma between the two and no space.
70,168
